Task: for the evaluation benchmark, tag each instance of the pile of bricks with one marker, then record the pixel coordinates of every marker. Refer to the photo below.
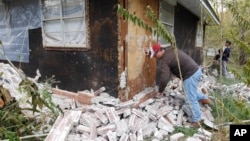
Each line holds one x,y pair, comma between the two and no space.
107,118
97,116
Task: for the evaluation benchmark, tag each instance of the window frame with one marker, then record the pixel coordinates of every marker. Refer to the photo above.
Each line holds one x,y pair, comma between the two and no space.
199,35
64,45
168,24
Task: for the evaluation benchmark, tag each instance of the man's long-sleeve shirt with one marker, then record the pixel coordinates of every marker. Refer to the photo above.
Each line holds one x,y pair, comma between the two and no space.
169,65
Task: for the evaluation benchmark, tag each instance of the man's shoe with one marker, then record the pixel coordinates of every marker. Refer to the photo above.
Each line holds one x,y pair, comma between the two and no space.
206,101
197,124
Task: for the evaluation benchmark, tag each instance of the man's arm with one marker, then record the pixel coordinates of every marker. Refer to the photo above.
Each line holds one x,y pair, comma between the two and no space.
165,77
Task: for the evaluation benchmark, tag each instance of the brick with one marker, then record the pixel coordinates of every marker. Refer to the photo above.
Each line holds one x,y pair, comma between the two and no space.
193,139
152,117
83,98
210,124
82,128
128,103
138,113
208,115
148,129
121,111
186,108
131,122
201,137
143,97
93,132
172,118
100,139
111,136
204,132
76,115
176,137
125,112
137,124
151,110
101,117
112,115
104,129
163,132
124,137
97,92
164,111
61,127
132,137
158,134
139,135
145,103
164,124
180,117
110,101
121,127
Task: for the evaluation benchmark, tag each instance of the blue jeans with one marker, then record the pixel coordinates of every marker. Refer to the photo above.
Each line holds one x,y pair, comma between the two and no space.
193,95
224,68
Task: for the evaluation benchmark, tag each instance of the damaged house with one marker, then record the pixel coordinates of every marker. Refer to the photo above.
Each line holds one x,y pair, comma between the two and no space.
85,44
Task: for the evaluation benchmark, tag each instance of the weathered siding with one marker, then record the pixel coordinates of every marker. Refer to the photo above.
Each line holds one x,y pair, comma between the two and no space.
185,26
141,70
82,70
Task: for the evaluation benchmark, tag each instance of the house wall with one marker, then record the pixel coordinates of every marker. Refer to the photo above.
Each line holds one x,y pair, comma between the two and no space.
141,70
185,26
85,70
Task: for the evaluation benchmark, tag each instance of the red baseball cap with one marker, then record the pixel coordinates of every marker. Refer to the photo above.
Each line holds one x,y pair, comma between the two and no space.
156,48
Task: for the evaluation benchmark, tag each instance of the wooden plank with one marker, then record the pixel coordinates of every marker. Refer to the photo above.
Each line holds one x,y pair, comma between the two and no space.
81,97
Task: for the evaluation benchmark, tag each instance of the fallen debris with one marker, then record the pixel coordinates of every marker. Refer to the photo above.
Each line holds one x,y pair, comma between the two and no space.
98,116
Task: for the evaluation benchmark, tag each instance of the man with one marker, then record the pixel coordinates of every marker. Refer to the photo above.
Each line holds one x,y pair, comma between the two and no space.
225,57
215,63
190,73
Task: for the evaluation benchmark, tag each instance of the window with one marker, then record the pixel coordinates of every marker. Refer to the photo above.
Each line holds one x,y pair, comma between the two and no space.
16,18
64,24
167,16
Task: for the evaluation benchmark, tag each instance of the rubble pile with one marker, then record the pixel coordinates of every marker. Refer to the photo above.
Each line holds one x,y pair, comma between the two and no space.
97,116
